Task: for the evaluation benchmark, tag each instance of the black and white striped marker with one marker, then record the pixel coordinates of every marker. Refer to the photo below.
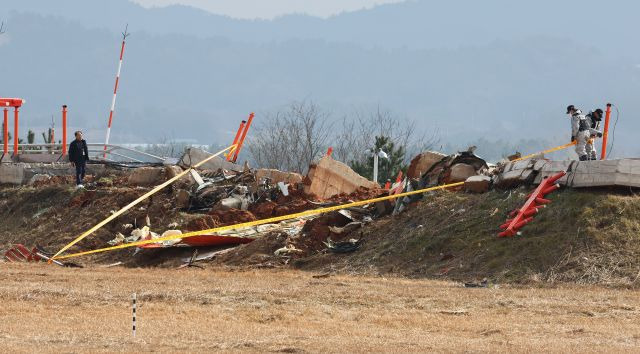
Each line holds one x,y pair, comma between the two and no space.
134,315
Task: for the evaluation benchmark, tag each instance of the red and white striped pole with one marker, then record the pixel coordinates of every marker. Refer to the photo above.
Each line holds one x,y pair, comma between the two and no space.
125,34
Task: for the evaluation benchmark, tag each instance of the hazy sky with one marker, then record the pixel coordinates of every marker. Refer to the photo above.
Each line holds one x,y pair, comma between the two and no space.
271,8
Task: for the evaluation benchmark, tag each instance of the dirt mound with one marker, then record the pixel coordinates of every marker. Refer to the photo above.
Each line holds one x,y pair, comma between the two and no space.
230,216
360,194
257,253
202,223
316,231
297,201
584,236
52,216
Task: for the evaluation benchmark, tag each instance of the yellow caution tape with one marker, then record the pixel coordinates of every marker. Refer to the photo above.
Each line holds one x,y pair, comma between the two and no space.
561,147
135,202
261,222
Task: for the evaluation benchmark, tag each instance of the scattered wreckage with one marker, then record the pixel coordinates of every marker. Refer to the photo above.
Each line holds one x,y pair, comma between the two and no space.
222,193
233,195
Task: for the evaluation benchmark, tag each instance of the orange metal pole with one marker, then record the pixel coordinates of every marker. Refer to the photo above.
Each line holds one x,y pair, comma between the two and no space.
5,128
605,134
244,135
15,132
64,130
399,178
235,140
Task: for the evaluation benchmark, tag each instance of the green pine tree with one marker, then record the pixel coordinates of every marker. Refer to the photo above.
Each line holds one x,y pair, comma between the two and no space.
387,168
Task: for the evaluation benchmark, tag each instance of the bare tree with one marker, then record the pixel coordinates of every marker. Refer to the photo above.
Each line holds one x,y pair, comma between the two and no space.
291,139
359,133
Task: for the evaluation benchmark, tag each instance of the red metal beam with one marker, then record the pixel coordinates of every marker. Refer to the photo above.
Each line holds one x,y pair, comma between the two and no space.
15,130
11,102
5,135
64,130
524,215
235,140
244,135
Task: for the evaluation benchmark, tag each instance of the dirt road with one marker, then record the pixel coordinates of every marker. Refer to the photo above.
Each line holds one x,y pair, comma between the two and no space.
47,308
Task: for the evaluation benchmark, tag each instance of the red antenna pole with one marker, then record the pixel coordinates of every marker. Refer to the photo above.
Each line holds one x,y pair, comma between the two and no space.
235,140
125,34
64,130
605,134
5,128
15,131
244,135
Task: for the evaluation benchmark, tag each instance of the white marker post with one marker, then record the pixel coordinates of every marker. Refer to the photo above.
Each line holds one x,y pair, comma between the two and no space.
134,314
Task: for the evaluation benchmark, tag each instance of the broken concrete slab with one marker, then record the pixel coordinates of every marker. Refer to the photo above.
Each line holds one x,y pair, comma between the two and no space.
329,177
539,165
553,167
172,171
277,176
423,162
514,178
622,173
194,155
146,176
12,173
477,184
460,172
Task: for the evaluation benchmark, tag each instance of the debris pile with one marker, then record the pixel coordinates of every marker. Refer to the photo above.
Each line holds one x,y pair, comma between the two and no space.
221,193
224,194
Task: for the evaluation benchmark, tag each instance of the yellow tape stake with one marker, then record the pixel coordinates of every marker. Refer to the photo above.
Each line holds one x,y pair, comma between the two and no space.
135,202
261,222
561,147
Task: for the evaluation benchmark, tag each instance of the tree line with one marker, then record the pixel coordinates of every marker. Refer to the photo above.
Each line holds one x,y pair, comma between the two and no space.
290,139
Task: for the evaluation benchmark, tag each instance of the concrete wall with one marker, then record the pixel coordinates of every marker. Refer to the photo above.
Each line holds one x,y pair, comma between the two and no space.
622,172
21,173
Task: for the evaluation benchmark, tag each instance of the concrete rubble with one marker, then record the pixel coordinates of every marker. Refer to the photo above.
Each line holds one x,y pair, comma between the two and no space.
329,177
423,162
147,176
477,184
580,174
194,155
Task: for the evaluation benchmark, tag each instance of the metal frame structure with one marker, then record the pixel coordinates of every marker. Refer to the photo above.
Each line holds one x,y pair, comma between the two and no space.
114,153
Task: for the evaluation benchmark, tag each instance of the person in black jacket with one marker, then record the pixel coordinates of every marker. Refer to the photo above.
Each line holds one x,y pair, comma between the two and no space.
78,156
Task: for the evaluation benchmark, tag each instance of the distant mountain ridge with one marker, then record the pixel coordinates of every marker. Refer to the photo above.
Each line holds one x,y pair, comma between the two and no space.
185,86
414,24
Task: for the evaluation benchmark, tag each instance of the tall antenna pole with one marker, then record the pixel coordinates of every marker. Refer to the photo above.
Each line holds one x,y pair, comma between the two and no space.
125,34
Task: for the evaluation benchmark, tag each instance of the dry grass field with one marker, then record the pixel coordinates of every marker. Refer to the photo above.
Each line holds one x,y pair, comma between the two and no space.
47,308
